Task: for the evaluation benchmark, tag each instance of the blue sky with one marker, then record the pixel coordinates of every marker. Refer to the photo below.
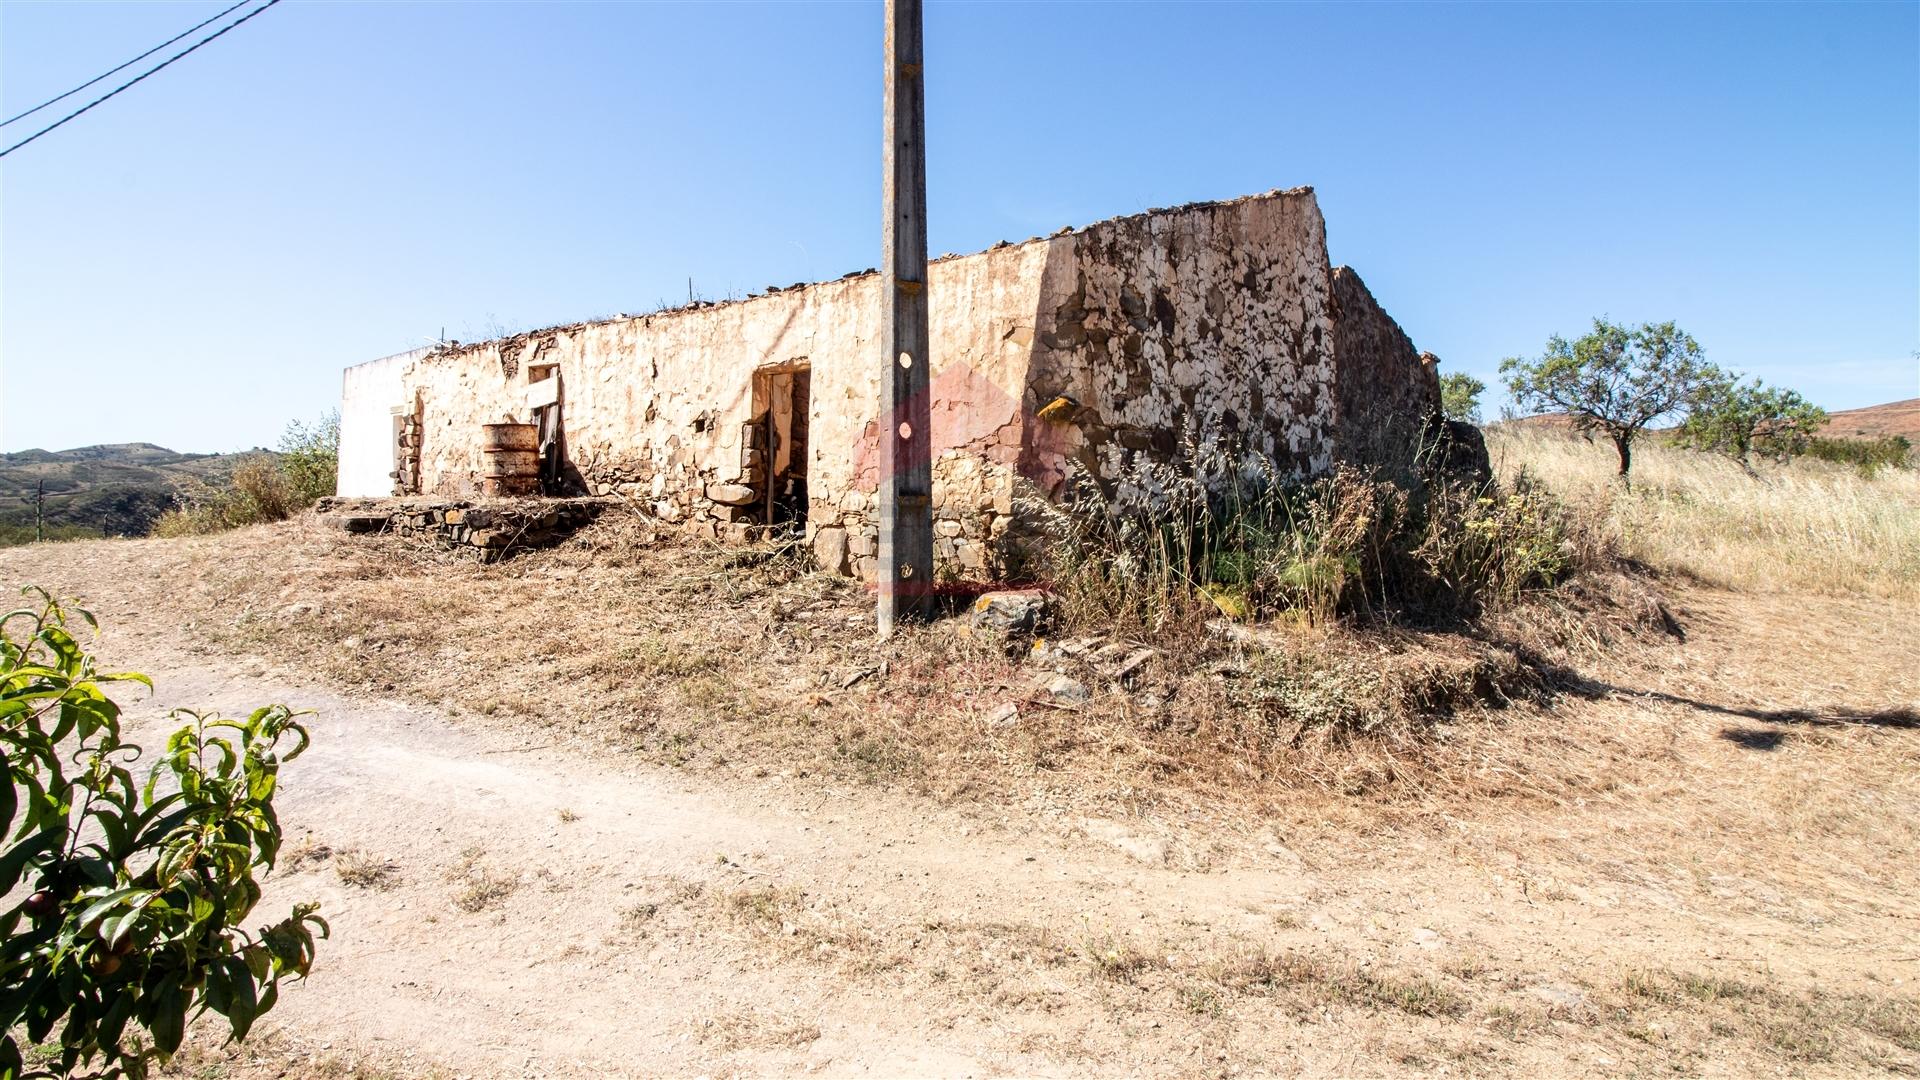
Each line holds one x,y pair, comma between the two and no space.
194,262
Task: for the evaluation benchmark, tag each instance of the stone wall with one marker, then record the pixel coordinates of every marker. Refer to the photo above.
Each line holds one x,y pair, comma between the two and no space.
1388,394
491,528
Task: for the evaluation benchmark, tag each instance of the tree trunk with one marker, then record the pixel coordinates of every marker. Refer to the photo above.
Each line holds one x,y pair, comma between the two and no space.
1624,444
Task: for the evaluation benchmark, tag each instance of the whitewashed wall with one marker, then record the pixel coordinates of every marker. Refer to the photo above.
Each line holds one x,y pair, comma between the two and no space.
368,395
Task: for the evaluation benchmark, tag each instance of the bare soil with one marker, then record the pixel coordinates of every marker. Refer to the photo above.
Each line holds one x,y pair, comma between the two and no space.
1879,421
544,856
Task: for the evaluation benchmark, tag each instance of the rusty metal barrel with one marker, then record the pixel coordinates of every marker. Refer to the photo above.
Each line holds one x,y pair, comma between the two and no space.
512,454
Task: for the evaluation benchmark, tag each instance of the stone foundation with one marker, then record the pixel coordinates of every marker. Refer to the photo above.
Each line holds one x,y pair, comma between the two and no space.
494,528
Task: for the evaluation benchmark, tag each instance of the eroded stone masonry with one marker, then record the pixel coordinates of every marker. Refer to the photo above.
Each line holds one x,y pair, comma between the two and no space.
1083,352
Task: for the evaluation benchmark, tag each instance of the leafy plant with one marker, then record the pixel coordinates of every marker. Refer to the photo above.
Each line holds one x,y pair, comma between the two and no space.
1739,419
1616,380
310,458
1460,396
1869,456
132,918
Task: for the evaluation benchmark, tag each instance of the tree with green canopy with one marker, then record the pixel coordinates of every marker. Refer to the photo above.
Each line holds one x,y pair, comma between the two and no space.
1616,379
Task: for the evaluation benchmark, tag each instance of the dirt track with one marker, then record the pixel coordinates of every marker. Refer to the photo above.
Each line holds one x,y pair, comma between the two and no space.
635,919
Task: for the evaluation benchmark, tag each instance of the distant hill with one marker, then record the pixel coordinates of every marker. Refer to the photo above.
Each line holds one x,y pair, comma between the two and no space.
1877,421
117,489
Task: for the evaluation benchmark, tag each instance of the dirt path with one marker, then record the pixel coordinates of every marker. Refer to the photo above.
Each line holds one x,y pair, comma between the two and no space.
1733,893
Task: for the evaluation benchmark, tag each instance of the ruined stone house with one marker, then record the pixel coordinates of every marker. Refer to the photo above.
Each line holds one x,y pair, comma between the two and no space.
1083,351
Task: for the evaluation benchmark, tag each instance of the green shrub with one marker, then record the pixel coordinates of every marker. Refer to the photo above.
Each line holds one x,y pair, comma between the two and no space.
133,895
1740,419
255,491
310,458
1867,455
1460,396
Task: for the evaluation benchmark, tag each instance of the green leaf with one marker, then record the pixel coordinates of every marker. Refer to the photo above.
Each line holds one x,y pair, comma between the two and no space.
170,1016
100,907
244,1005
14,862
9,798
116,928
114,1021
218,992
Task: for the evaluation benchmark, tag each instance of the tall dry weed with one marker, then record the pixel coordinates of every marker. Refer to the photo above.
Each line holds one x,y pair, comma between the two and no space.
1227,531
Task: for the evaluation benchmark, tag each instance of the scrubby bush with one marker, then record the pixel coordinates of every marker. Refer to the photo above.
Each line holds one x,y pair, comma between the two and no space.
1867,455
262,487
310,458
255,491
1230,532
1741,419
133,896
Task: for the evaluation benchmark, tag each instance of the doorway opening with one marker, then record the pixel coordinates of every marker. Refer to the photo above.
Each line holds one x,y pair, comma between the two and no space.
781,403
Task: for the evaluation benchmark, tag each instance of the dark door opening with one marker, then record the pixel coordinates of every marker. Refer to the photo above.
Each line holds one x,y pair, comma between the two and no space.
782,396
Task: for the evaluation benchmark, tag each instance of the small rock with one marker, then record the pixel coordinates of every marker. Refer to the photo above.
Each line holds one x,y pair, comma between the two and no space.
732,494
830,550
1004,715
857,675
1067,689
1013,611
1564,996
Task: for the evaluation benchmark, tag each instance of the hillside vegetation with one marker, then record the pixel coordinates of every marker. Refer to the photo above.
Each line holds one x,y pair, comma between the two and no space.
118,489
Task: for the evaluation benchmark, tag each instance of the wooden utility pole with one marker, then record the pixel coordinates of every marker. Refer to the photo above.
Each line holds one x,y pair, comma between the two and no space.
905,570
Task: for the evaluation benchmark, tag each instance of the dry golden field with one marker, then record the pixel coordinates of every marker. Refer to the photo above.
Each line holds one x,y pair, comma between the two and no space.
1809,526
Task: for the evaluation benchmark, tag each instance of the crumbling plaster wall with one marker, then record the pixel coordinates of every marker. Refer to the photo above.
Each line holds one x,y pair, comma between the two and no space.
656,407
1086,350
1211,323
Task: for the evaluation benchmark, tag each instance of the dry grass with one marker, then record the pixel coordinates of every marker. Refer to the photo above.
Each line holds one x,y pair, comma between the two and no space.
278,1055
477,885
728,1029
684,657
714,659
1809,526
364,871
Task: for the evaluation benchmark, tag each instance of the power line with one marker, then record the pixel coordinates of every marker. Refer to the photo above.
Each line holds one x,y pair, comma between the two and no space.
128,64
136,79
